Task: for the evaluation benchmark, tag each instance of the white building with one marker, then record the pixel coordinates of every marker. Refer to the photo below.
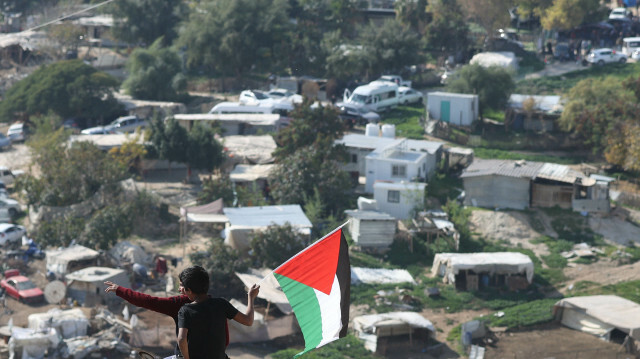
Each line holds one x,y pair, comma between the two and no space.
399,199
454,108
371,229
397,163
377,166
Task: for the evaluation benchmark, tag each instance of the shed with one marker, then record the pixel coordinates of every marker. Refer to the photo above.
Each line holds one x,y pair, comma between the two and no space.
370,328
472,271
542,116
607,316
398,199
87,285
499,183
453,108
371,229
66,260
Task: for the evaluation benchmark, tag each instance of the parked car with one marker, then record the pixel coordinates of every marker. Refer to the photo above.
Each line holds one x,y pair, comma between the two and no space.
603,56
407,95
636,55
17,132
124,124
619,13
284,94
21,287
11,234
253,97
12,206
5,142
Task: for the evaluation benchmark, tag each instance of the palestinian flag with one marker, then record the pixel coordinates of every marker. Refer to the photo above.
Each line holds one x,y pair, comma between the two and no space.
317,283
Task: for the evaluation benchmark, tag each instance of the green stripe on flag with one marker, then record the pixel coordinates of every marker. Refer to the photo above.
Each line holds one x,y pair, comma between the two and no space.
305,305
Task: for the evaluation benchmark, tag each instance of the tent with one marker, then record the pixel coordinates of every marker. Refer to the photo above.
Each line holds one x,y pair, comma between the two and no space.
71,258
497,268
32,344
69,323
374,326
211,212
128,252
606,316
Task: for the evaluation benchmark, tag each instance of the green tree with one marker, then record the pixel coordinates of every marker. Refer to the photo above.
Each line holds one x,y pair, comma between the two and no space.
490,14
107,226
203,151
145,21
319,125
155,74
276,244
170,141
68,174
296,177
214,188
605,113
66,88
448,31
568,14
345,59
389,47
413,13
232,37
222,262
493,85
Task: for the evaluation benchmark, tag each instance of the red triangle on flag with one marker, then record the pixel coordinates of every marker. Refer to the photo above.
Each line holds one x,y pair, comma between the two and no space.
315,266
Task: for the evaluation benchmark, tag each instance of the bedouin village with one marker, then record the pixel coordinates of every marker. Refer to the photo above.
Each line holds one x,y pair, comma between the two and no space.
324,178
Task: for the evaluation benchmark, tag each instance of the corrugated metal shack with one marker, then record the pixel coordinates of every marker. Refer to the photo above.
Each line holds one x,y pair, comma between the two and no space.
371,229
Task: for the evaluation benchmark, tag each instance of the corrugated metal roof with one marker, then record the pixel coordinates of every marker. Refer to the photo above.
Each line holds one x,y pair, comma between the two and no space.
451,94
424,146
250,173
264,216
508,168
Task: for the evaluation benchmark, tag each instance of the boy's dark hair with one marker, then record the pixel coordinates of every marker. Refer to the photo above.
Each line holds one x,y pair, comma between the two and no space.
195,278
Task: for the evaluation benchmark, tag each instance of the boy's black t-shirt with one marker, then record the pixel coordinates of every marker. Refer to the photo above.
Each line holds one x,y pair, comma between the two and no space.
206,324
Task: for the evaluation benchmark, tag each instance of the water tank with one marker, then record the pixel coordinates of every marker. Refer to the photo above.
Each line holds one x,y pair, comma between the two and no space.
389,131
372,129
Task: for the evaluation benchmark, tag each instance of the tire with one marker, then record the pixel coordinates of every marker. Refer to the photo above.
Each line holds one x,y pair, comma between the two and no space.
622,60
601,63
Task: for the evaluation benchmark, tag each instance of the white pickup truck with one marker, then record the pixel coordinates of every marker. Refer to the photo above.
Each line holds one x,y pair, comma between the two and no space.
395,79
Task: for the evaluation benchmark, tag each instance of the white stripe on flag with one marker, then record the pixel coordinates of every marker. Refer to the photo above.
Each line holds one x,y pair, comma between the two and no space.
331,313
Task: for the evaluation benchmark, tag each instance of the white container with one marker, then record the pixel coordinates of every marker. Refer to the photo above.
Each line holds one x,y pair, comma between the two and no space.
372,130
389,131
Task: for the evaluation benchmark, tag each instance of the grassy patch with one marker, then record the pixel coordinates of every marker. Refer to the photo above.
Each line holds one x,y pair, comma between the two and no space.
526,314
555,260
495,115
572,226
493,153
444,187
360,259
558,85
348,347
629,290
407,121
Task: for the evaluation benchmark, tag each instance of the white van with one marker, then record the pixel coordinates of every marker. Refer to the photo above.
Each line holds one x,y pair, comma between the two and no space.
630,44
375,96
277,107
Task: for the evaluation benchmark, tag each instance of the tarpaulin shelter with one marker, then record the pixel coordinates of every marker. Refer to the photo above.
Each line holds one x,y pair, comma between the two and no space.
472,270
370,328
380,276
69,323
607,316
69,259
32,344
207,213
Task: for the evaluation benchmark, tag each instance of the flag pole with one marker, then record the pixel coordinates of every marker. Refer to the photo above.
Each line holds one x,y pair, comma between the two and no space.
297,254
